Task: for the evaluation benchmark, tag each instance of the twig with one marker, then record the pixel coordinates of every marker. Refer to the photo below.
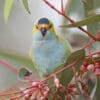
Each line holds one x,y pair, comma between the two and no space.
8,66
17,92
61,70
62,7
72,21
94,53
18,84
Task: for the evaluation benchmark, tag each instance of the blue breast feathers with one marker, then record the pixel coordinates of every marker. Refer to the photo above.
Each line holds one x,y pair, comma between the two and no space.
48,55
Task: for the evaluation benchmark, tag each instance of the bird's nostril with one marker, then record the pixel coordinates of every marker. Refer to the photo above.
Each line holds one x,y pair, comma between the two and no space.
43,31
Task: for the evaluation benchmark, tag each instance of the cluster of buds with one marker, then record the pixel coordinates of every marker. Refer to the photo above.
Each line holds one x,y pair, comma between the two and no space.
94,67
37,91
72,89
41,91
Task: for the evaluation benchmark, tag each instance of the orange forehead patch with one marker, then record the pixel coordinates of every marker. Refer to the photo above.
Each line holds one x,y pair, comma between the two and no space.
40,26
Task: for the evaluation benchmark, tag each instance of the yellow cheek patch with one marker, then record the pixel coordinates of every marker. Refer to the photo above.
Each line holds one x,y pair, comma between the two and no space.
53,30
34,29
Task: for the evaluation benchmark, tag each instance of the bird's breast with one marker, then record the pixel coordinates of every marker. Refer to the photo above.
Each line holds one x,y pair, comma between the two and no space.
48,55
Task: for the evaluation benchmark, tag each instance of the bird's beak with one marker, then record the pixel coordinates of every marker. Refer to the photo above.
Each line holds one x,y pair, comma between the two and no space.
43,31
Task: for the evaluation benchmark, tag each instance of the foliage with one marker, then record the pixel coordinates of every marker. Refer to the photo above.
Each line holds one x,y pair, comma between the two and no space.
89,20
25,2
7,8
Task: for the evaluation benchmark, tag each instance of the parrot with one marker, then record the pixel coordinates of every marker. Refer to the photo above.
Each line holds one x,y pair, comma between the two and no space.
49,51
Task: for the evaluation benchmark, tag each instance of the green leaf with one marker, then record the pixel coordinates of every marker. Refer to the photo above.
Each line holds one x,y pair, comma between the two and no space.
87,21
23,72
17,60
97,94
90,61
91,8
67,75
7,9
25,2
79,54
90,79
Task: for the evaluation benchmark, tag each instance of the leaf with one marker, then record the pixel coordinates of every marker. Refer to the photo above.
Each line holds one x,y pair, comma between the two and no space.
79,54
23,72
87,21
74,9
90,61
97,94
90,9
17,60
25,2
7,9
90,80
67,75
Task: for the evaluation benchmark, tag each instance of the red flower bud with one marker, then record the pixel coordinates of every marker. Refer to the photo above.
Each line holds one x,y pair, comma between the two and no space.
83,68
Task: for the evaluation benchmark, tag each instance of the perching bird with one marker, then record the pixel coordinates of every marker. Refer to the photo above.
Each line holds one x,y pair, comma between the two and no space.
49,51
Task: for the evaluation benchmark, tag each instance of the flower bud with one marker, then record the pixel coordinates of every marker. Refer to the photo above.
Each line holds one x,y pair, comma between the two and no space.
57,82
83,68
91,67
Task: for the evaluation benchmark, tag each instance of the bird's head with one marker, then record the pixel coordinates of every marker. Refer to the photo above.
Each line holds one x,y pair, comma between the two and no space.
43,29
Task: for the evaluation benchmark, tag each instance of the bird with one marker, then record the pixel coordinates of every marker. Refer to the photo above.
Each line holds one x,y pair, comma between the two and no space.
49,51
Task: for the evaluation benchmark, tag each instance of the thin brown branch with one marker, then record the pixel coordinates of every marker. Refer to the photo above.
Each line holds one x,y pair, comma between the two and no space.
61,70
17,92
72,21
8,66
15,86
94,53
62,6
89,44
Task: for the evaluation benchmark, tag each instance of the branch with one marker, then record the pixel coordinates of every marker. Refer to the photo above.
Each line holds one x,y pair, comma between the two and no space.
61,70
62,6
72,21
8,66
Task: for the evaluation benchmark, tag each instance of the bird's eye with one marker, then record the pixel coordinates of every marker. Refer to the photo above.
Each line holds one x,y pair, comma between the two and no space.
49,26
36,27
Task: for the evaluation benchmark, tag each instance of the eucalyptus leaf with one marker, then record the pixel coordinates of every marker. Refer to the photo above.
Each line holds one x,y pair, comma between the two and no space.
23,72
7,9
90,9
17,60
87,21
90,61
25,2
79,54
97,94
90,80
67,75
